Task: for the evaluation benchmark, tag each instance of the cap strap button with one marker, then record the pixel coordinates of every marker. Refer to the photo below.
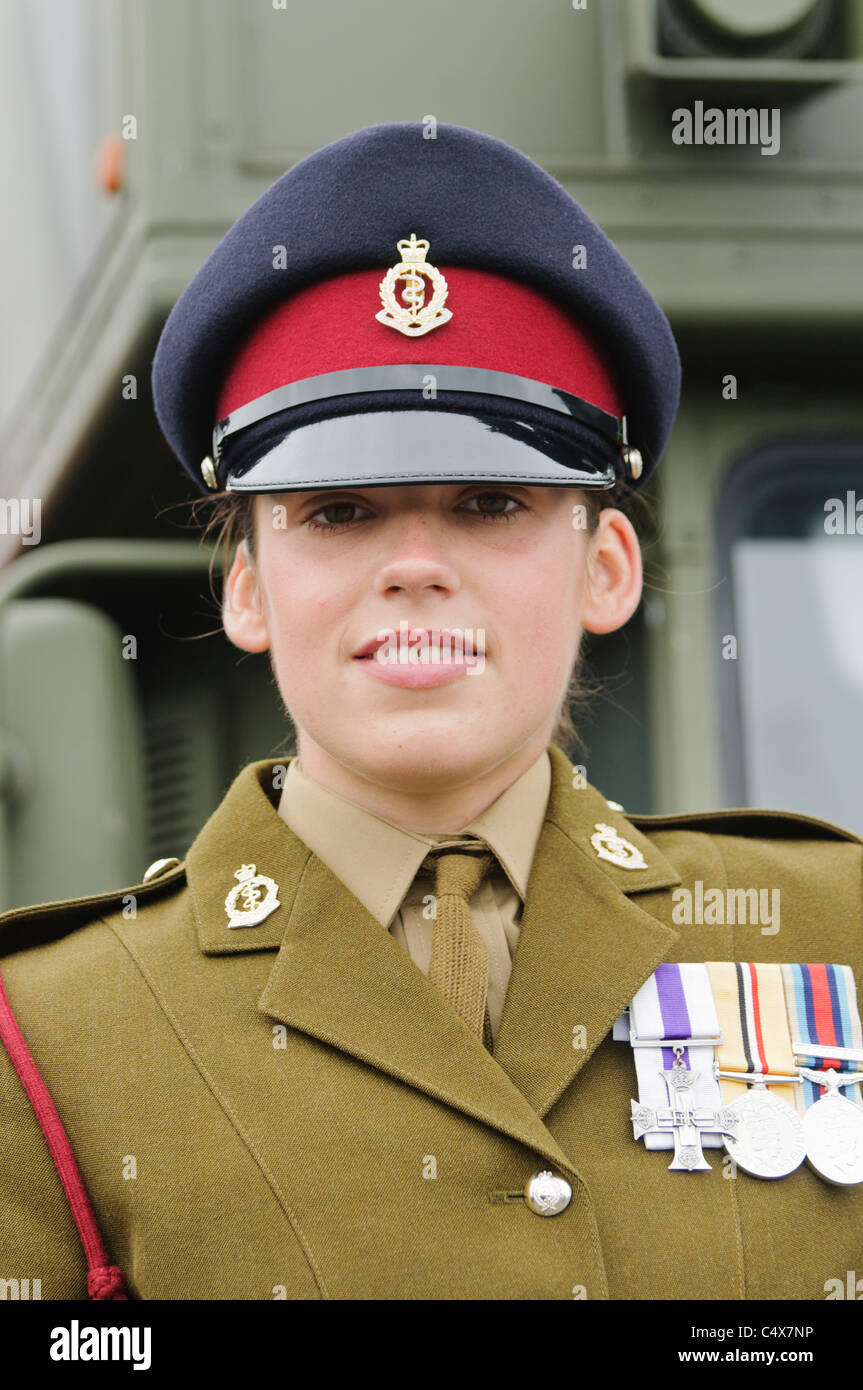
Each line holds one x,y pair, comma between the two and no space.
208,473
633,460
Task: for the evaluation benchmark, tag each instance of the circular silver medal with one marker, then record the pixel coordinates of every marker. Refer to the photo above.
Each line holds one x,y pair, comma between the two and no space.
834,1139
769,1142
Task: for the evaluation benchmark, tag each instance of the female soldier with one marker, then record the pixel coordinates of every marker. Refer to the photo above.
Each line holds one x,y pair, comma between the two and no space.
373,1012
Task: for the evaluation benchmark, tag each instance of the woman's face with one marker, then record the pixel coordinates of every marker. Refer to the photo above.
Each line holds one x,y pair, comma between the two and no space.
503,577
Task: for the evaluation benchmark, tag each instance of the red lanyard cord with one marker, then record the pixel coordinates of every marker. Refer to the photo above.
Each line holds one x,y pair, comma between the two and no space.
104,1280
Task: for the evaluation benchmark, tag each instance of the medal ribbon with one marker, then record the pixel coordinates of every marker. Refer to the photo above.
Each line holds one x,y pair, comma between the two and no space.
676,1002
822,1009
750,1004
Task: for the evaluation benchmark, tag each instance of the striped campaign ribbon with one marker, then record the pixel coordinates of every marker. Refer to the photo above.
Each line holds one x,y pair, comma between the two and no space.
822,1011
751,1007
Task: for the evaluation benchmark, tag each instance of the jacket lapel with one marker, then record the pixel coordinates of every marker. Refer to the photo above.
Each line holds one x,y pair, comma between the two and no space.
339,976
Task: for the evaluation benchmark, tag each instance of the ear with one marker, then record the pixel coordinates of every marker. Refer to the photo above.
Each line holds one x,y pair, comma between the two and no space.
242,611
614,577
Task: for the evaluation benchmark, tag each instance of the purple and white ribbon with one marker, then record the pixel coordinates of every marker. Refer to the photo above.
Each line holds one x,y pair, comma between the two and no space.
676,1002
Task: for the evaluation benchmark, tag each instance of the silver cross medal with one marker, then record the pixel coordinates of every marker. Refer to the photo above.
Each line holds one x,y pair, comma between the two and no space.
685,1121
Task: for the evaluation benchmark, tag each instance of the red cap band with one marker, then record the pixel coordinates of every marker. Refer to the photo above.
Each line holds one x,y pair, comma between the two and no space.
497,324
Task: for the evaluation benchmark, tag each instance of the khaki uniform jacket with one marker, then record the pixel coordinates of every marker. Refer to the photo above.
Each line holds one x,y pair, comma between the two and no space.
293,1110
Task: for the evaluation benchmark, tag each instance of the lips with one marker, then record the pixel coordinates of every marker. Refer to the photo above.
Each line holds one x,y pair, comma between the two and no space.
432,636
370,648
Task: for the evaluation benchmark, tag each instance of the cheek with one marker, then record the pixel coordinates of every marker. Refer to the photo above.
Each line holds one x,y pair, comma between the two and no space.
539,606
304,603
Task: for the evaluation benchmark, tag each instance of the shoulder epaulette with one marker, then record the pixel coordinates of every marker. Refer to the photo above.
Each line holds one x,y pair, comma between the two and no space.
22,927
750,821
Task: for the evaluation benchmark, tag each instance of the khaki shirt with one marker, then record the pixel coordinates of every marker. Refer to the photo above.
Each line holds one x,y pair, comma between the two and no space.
378,861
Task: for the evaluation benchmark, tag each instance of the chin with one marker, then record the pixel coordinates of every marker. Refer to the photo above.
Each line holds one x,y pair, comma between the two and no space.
437,753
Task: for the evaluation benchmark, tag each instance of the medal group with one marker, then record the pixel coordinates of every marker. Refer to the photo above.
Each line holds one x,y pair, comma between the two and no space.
765,1061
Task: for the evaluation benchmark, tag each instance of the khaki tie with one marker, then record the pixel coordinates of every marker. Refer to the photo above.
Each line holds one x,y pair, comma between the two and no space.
459,959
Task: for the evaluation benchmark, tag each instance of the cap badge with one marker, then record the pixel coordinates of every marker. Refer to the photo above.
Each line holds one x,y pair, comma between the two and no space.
253,899
611,846
412,315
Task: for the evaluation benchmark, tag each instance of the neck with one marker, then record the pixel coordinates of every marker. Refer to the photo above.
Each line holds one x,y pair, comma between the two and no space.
444,807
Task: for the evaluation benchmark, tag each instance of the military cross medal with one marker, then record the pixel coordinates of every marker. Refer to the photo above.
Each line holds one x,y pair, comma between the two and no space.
685,1121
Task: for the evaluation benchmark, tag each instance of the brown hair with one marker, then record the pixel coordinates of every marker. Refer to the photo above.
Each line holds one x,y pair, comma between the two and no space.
230,519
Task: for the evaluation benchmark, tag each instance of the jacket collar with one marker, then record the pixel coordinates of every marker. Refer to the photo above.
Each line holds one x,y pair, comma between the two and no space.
378,860
586,947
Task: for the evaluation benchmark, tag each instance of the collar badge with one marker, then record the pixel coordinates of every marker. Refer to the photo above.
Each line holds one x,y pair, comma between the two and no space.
611,846
411,314
253,899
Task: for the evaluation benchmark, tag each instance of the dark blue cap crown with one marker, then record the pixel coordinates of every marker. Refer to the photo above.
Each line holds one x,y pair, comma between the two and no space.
480,202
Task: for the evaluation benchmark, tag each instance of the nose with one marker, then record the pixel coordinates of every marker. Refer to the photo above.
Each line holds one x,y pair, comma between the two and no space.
417,557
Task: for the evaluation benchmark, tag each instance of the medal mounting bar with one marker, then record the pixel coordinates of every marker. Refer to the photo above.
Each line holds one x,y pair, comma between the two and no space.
676,1044
832,1080
843,1054
758,1078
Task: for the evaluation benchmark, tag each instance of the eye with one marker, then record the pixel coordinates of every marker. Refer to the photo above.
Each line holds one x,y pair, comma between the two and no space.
496,514
338,525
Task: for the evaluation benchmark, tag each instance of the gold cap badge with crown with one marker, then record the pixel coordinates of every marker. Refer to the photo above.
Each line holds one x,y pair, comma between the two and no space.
413,317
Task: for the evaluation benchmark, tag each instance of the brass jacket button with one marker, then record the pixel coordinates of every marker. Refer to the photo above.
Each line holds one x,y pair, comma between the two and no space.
158,866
